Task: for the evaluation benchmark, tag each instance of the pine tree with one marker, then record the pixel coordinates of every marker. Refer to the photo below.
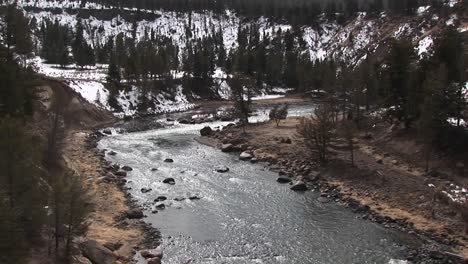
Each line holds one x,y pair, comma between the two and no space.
242,95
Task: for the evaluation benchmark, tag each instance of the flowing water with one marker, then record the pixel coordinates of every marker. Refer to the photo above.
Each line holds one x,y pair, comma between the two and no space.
242,216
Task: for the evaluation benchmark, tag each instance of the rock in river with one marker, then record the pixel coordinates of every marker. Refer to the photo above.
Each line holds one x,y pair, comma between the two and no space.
135,214
227,147
222,169
120,173
169,181
160,199
283,179
299,186
169,160
146,190
245,156
97,253
206,131
127,168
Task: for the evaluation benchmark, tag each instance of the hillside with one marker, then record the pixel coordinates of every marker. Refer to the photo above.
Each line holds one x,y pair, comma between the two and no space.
347,42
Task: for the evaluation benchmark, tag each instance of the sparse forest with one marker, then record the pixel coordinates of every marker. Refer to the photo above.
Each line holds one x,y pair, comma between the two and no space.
44,202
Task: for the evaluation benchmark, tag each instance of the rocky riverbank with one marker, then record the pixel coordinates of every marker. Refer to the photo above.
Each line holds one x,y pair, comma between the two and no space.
377,199
116,230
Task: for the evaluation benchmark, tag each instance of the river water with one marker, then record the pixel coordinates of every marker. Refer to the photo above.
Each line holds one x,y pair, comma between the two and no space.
242,216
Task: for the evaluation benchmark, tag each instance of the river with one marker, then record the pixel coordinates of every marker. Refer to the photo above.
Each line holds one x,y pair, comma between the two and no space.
242,216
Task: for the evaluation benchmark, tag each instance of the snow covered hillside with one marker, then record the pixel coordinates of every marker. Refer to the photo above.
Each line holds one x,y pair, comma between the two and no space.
349,43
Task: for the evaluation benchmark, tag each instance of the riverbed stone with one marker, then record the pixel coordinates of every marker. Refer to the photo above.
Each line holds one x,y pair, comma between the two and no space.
283,179
222,169
245,156
97,253
161,206
206,131
160,198
120,173
227,147
170,181
299,186
135,214
112,153
146,190
127,168
169,160
154,261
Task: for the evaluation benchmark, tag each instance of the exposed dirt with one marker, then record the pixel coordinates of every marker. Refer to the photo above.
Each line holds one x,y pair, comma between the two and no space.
108,200
388,175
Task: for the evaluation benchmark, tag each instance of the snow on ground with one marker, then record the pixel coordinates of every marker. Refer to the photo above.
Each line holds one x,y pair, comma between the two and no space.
424,46
267,97
179,103
422,9
451,22
402,31
70,72
93,91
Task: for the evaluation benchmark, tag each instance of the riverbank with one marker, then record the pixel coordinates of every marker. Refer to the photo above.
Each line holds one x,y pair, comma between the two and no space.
109,223
382,186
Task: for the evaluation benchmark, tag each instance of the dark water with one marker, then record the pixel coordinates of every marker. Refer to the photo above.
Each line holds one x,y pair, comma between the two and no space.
243,216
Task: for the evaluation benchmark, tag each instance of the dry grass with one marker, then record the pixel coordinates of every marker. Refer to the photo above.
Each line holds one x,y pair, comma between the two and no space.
109,202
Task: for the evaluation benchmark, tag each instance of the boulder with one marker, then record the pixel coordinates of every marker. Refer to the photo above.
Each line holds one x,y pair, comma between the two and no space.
227,148
135,214
120,173
154,169
154,261
283,179
112,153
169,181
245,156
299,186
97,253
206,131
160,198
107,131
222,169
127,168
194,197
254,160
184,121
146,190
161,206
169,160
113,246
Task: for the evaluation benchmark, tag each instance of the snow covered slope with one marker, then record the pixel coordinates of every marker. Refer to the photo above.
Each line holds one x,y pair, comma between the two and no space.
349,43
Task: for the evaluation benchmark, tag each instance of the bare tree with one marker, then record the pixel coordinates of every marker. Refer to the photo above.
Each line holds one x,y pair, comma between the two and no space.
318,131
347,131
278,113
